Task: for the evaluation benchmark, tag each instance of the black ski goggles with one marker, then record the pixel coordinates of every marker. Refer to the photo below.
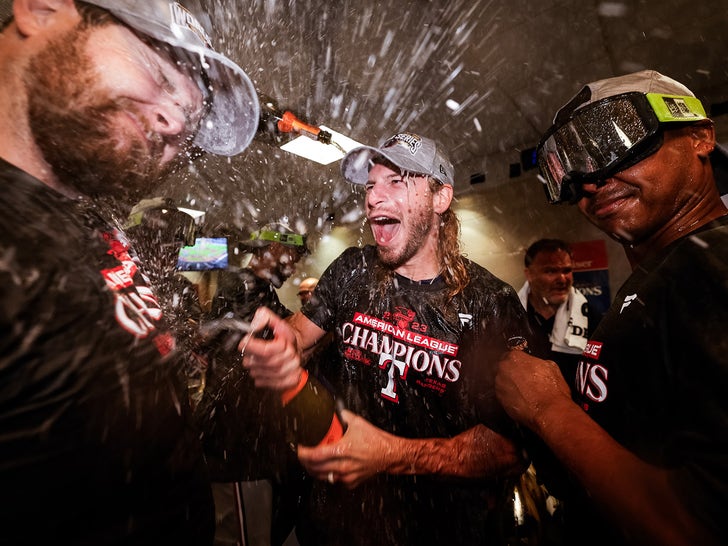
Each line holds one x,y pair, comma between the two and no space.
606,137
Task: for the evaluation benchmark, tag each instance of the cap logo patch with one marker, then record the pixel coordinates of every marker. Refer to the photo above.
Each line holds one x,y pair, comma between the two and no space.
413,142
678,108
183,18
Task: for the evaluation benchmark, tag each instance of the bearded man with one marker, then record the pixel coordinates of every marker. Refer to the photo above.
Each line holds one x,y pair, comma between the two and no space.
418,328
100,100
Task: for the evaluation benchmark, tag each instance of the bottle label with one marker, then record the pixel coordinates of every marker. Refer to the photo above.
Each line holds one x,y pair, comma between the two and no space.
290,394
310,413
335,432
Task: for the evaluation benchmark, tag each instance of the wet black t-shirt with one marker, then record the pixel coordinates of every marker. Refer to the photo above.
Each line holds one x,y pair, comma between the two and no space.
419,364
655,371
95,442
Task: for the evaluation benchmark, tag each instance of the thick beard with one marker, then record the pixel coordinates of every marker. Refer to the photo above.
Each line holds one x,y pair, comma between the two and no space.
421,228
71,119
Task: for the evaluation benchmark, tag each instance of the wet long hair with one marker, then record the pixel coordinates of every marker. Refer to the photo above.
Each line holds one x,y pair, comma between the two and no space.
454,272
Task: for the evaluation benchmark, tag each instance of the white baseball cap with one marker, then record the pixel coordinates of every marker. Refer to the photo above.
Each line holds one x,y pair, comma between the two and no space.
408,151
644,81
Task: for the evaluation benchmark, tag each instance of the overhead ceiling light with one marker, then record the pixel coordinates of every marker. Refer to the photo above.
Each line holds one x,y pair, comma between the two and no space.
160,203
192,212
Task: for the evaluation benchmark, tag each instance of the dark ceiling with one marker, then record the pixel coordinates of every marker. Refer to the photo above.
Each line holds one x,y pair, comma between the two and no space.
484,77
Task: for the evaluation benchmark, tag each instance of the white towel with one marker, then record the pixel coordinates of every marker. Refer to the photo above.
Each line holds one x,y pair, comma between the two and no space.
570,331
523,294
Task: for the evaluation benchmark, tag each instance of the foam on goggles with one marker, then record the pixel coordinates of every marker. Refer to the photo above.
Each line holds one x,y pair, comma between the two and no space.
605,137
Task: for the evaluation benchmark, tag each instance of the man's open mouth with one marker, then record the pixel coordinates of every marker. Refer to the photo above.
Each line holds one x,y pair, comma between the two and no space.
384,228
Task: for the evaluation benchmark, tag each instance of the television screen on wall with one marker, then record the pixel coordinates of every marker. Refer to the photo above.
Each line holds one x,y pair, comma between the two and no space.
208,253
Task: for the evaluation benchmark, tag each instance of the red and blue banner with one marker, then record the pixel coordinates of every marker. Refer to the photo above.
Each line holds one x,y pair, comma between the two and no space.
591,273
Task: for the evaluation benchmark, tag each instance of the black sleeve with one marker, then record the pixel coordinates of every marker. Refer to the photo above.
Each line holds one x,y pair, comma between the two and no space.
697,353
503,325
320,310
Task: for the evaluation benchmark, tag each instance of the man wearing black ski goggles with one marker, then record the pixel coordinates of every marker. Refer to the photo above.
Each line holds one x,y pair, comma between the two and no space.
594,142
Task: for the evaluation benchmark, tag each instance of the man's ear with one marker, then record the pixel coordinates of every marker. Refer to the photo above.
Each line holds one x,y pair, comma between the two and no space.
442,198
33,16
703,135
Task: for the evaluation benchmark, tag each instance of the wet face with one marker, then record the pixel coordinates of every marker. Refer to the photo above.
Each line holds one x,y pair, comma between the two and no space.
401,214
550,277
110,113
278,262
638,202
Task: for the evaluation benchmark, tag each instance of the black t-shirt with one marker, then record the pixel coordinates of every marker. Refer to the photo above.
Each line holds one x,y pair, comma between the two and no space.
417,363
95,443
655,372
240,293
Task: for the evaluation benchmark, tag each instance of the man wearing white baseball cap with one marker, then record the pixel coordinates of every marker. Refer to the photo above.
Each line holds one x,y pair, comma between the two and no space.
642,426
425,444
100,99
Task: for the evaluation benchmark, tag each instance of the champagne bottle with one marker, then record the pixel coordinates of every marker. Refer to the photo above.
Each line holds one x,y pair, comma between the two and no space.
311,415
309,409
275,122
